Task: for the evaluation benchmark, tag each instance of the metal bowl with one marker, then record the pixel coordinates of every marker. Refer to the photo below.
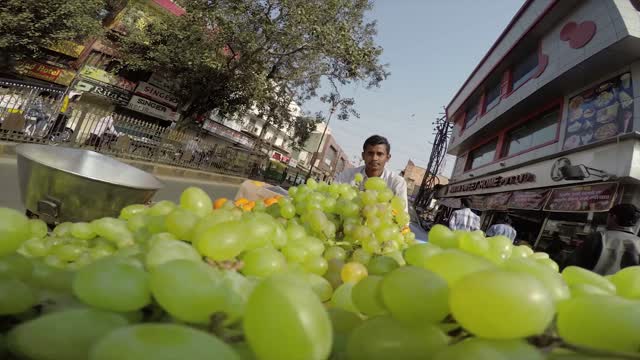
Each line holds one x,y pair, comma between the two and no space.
61,184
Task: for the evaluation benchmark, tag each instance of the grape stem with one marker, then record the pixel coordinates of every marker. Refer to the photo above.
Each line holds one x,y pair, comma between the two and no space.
216,327
226,264
596,352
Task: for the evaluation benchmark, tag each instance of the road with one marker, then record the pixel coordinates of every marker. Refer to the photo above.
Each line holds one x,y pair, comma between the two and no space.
10,191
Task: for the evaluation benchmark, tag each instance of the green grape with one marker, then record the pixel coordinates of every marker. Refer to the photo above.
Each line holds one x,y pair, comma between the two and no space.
216,217
415,296
16,266
161,208
224,241
160,342
367,297
300,329
138,222
513,305
82,230
15,296
385,195
36,247
500,249
312,184
48,277
295,232
372,246
398,204
472,243
358,178
333,272
259,228
14,230
164,236
361,256
383,338
521,251
295,252
181,223
600,322
343,324
539,256
441,236
288,211
361,233
627,282
369,211
165,250
548,277
484,349
317,220
63,229
112,284
574,275
352,272
316,265
67,252
132,210
187,290
38,228
243,350
67,335
315,246
403,218
369,197
263,262
417,254
55,261
157,224
237,289
293,191
114,230
335,252
549,263
320,286
386,232
380,265
279,237
453,265
328,205
347,208
343,298
375,183
586,289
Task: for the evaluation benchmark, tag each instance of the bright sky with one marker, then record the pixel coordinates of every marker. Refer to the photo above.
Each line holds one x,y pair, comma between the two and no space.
432,46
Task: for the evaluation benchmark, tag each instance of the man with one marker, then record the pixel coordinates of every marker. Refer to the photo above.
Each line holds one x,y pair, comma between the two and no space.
376,152
464,218
502,226
617,247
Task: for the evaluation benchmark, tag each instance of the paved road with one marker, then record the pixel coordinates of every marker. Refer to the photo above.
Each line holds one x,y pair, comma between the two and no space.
10,193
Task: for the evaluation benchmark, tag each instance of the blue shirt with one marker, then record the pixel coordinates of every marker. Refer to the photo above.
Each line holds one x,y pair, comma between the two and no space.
502,229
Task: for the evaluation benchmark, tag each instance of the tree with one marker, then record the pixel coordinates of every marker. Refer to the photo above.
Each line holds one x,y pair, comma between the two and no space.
259,55
26,27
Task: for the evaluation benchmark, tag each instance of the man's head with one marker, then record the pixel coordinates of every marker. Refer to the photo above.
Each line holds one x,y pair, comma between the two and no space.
466,203
376,152
626,215
503,219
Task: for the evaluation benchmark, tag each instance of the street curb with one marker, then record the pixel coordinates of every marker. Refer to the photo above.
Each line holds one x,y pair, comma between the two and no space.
7,150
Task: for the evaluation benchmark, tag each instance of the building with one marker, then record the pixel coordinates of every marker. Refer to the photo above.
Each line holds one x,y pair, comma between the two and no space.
414,175
546,126
330,159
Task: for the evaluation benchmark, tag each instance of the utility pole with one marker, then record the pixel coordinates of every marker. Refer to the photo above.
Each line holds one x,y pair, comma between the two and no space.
315,154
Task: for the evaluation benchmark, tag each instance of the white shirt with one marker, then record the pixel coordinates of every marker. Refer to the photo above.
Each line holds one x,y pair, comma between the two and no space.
464,219
395,182
104,124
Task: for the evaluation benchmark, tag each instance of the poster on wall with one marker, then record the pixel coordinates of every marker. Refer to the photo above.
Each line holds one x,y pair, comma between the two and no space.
584,198
497,201
528,200
602,112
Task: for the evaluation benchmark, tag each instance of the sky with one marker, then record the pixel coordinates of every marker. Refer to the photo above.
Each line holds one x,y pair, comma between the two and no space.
431,47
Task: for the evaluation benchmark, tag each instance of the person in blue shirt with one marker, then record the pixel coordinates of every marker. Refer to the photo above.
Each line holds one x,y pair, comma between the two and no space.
502,226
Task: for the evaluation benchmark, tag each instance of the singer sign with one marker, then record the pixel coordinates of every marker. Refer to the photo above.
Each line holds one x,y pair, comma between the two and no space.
154,93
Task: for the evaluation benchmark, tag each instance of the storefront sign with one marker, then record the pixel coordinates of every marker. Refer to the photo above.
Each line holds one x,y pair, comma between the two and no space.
160,81
110,92
149,107
497,201
528,200
601,112
293,163
105,77
45,72
230,134
493,182
478,202
68,48
157,94
586,198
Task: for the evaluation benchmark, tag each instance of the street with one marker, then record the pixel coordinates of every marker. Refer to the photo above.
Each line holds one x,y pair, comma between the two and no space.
10,191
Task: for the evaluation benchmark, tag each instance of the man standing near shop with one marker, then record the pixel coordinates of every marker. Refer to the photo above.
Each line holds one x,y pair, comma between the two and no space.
464,218
376,152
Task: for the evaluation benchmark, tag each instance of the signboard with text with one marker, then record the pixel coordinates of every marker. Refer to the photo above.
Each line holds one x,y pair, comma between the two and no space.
230,134
105,77
585,198
149,107
110,92
493,182
155,93
497,201
528,199
46,72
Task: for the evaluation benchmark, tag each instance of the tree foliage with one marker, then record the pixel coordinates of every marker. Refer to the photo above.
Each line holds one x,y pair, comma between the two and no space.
260,55
27,26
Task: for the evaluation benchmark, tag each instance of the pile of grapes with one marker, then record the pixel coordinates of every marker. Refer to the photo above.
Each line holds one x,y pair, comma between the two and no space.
330,272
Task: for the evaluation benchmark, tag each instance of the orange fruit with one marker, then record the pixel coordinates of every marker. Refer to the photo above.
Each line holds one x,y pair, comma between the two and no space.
241,201
249,206
219,202
270,201
405,230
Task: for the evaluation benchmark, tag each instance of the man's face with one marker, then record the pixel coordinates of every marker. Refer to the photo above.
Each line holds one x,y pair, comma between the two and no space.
375,157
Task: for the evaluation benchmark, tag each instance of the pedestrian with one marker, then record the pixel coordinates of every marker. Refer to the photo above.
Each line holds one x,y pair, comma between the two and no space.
502,226
103,126
37,115
464,218
618,246
376,152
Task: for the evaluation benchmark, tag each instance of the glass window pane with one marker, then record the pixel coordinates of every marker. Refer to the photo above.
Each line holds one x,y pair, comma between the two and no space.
483,155
492,98
524,70
533,133
472,115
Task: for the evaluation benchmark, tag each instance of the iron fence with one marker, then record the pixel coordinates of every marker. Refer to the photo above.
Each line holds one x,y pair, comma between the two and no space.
32,114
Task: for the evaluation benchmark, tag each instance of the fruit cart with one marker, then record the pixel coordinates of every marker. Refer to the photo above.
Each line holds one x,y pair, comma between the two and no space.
59,184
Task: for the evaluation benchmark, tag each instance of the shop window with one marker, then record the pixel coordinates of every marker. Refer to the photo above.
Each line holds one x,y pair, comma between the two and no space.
492,97
472,115
524,70
482,155
536,132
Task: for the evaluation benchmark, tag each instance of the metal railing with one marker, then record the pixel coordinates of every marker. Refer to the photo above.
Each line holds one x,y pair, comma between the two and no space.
31,114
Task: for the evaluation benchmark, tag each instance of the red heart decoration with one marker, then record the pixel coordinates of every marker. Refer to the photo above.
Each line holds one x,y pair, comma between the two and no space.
578,35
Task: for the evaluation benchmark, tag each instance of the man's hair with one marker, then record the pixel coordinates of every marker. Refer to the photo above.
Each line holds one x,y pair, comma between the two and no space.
44,93
377,140
503,219
625,214
466,202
